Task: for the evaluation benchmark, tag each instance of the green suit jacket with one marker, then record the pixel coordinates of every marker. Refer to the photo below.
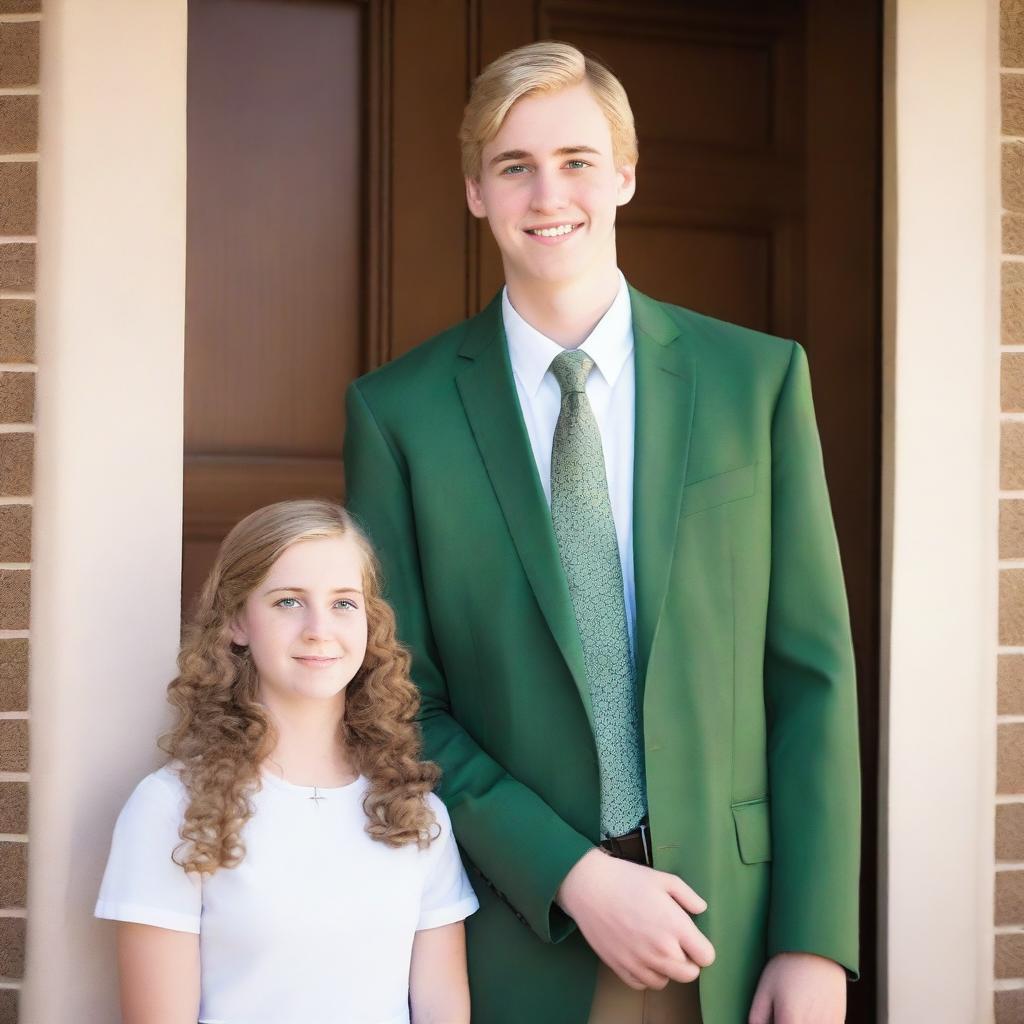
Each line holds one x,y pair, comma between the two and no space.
743,648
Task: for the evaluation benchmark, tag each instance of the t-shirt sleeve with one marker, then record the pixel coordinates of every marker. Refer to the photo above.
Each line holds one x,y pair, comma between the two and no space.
142,884
447,893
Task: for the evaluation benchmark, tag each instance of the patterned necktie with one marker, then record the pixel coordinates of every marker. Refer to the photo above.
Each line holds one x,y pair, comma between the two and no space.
581,512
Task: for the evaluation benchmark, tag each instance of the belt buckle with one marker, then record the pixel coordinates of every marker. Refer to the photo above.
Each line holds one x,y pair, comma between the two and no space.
645,840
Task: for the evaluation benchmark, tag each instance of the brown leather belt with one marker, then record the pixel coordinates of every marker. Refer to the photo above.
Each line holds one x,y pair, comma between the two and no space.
634,846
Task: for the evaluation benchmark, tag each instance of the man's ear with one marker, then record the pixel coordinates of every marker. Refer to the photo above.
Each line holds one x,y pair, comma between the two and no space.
627,184
474,199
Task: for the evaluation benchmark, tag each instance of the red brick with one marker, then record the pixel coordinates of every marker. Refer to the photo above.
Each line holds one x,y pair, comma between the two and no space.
15,588
1010,762
1013,300
1011,38
19,54
1009,1006
14,745
17,321
8,1006
14,675
13,809
15,533
17,396
1011,606
18,197
19,124
12,947
1009,897
13,874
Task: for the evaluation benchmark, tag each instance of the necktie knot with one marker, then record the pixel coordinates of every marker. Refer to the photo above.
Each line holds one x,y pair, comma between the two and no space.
571,370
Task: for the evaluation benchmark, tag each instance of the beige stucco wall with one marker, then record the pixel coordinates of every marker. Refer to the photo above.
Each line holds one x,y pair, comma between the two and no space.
111,295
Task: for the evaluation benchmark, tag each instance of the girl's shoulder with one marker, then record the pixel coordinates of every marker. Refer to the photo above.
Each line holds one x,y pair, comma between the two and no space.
166,780
169,776
443,820
436,804
160,791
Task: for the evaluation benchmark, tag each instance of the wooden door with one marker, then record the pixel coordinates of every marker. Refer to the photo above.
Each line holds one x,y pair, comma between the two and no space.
275,316
328,231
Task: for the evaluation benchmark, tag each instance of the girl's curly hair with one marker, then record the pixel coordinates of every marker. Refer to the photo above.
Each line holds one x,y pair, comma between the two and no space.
223,733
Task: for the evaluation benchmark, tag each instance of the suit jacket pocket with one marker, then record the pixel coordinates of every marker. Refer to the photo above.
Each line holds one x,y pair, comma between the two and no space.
753,830
719,489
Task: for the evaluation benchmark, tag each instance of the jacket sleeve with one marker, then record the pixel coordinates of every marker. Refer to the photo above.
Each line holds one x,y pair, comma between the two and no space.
811,699
521,847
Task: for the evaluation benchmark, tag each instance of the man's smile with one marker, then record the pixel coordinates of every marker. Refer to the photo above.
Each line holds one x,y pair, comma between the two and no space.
553,232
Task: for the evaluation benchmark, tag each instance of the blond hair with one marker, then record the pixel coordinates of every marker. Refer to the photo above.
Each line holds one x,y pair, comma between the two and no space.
543,67
223,734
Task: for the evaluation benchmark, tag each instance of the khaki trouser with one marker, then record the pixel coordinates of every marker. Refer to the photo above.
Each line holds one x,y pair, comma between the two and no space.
616,1003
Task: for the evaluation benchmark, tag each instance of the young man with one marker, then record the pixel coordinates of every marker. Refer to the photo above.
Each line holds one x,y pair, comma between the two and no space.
606,534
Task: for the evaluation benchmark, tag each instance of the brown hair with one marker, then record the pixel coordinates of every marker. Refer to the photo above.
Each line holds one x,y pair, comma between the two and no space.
541,68
223,733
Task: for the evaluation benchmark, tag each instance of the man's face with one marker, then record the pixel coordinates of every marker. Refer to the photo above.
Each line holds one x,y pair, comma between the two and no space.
549,188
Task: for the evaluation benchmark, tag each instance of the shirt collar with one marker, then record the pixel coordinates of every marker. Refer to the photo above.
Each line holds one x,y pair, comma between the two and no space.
609,344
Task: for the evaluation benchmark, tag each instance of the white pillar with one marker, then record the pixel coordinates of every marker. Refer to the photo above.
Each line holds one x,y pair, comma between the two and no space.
941,302
107,519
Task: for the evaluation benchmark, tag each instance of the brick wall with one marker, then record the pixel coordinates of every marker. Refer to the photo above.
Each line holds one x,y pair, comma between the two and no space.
19,101
1009,874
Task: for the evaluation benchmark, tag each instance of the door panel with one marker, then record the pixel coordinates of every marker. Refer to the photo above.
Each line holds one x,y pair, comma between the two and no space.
274,257
723,270
718,104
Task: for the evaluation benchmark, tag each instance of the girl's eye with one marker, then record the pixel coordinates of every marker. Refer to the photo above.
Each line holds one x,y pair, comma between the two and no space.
346,603
287,602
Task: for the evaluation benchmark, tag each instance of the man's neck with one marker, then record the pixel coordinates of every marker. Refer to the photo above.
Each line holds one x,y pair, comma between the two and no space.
566,312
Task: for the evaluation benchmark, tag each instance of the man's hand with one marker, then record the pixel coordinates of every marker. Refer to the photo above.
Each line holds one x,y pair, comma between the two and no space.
637,920
800,988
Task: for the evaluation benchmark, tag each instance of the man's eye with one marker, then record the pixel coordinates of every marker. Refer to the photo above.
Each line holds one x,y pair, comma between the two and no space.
287,602
577,165
514,169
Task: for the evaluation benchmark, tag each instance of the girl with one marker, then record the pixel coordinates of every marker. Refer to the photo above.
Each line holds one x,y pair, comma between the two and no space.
290,863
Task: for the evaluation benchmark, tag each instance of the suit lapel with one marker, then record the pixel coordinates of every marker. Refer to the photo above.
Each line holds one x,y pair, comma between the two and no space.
488,393
665,386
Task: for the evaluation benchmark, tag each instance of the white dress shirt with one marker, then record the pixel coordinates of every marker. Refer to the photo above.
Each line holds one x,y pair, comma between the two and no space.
611,391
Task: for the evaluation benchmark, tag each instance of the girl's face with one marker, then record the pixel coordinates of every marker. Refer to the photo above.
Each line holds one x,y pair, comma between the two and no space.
305,624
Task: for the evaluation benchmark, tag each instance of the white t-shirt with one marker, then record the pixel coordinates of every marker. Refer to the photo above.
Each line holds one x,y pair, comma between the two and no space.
315,926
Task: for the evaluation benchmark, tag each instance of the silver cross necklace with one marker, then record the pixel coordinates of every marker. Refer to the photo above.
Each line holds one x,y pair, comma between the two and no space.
317,797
